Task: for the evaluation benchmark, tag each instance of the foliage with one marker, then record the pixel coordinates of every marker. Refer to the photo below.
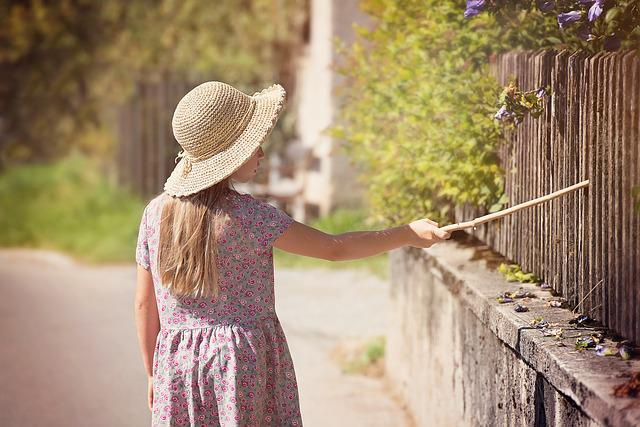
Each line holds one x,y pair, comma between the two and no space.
64,64
68,206
419,104
50,55
513,272
367,358
418,110
342,220
601,24
514,103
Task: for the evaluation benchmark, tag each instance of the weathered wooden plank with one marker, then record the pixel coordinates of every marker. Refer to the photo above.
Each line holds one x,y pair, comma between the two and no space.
601,164
591,220
623,111
540,141
635,181
581,235
568,170
611,112
528,166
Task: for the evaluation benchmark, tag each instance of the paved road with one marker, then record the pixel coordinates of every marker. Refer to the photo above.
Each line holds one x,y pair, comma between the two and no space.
69,352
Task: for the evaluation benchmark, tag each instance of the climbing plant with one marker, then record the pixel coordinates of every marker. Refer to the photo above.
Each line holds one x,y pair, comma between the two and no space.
590,24
421,113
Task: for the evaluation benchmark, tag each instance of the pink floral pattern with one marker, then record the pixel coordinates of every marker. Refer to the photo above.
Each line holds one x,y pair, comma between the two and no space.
224,361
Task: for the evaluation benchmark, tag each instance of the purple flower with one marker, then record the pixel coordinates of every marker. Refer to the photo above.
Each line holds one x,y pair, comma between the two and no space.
546,6
520,308
595,10
473,8
605,351
566,19
584,33
625,352
502,113
541,92
612,43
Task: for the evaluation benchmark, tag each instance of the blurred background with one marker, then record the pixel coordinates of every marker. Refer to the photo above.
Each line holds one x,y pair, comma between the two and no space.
397,110
87,91
87,94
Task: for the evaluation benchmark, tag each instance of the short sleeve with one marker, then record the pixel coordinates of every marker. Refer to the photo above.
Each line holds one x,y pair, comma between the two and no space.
269,223
142,246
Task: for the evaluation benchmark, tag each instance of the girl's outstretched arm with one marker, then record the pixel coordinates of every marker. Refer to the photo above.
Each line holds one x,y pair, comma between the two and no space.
147,320
304,240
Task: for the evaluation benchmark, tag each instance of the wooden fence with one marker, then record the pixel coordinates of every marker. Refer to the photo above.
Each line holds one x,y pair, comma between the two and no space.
585,244
146,146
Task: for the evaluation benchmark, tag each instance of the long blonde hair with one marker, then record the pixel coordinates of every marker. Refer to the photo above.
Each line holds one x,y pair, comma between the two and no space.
187,249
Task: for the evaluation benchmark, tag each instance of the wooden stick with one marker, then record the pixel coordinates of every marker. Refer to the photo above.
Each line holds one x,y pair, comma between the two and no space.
509,211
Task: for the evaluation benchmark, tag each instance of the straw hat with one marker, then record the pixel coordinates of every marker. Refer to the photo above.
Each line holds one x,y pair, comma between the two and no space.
219,128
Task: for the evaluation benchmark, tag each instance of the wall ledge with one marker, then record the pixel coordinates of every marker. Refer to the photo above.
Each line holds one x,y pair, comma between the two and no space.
467,267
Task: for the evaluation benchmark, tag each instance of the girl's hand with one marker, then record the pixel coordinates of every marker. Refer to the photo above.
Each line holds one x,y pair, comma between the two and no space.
150,393
426,233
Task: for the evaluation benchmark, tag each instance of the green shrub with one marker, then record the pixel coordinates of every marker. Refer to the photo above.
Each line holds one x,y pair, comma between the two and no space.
68,206
513,273
419,103
365,358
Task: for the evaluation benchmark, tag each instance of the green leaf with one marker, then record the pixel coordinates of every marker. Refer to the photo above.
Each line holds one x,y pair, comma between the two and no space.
495,208
612,14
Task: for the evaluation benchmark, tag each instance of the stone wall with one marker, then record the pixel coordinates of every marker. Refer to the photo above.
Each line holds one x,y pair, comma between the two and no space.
457,357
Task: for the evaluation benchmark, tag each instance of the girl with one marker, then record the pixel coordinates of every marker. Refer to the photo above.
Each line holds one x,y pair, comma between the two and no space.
211,342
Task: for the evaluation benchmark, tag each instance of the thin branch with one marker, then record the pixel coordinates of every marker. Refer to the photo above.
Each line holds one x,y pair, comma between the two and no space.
588,293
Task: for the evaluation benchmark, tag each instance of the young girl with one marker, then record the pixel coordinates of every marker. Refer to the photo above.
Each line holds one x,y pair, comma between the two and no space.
211,342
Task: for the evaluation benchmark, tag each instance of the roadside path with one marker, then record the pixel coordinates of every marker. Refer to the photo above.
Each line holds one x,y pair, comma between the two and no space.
70,357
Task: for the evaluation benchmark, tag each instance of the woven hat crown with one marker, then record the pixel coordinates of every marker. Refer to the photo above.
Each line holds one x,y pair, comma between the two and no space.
209,118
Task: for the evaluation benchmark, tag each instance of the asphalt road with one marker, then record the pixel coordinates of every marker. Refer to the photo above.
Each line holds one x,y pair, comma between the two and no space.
69,352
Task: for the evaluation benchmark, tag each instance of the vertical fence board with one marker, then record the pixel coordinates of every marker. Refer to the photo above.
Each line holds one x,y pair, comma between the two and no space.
623,123
614,186
534,69
635,181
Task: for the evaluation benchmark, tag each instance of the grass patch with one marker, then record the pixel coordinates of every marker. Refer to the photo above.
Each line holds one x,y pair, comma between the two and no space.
364,358
513,273
339,221
68,206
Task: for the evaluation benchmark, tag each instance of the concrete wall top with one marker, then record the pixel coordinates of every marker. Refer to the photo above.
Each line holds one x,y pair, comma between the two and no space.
468,268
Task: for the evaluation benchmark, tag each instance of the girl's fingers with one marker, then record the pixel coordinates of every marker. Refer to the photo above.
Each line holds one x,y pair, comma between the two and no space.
442,234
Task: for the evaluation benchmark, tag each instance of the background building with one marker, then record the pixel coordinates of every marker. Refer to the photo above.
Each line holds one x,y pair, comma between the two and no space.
314,176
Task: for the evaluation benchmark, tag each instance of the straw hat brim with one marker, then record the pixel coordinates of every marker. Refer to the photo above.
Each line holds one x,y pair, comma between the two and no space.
205,173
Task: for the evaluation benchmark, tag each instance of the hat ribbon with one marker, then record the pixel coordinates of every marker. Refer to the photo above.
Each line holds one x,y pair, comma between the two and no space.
187,162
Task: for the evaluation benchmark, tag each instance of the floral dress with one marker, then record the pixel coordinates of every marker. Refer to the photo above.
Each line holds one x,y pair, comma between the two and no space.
224,361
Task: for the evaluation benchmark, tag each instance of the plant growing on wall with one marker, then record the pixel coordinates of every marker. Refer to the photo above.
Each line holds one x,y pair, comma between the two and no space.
419,111
514,103
513,272
603,24
419,105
